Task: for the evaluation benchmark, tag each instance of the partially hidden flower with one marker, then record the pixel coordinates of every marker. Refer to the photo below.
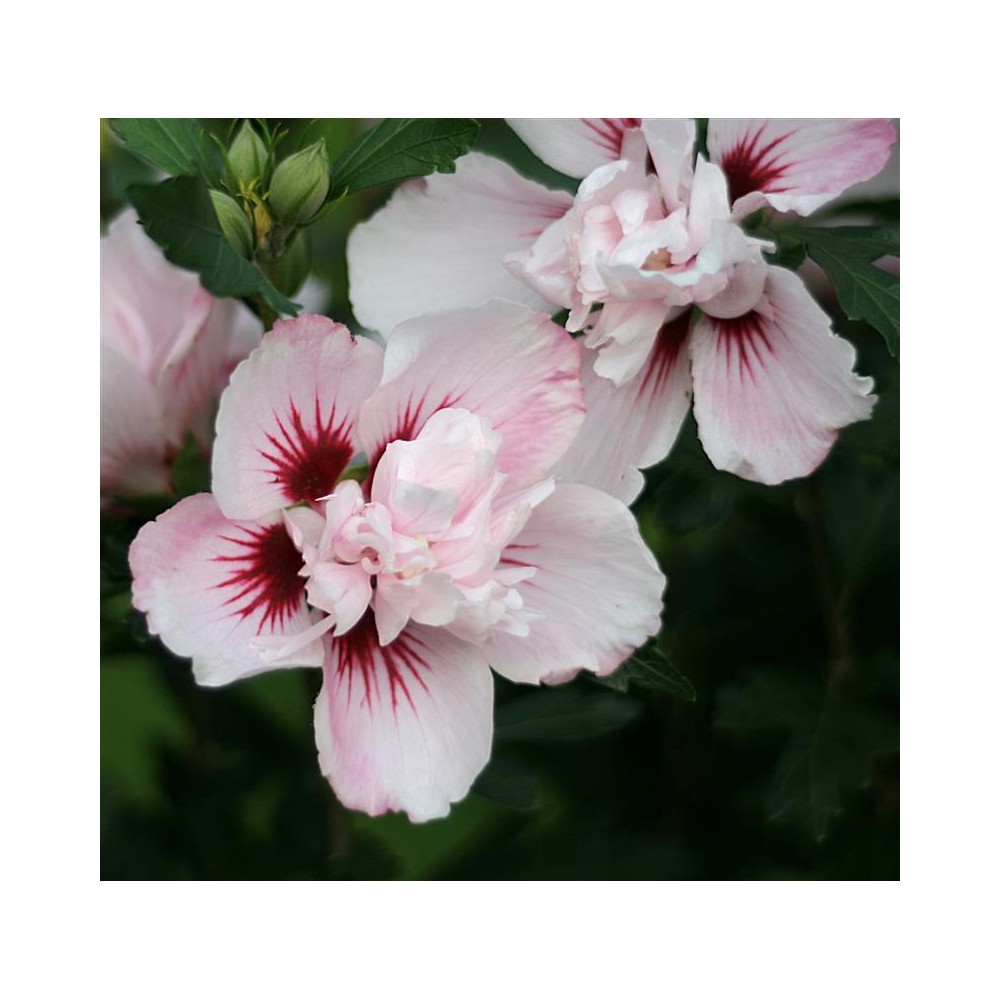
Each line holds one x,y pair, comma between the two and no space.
652,262
392,517
168,348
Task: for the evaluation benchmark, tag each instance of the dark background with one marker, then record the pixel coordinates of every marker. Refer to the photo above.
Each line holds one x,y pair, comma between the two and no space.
782,609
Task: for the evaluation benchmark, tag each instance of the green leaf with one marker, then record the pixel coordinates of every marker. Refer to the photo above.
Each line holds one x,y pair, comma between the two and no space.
650,668
175,145
829,742
564,715
402,147
178,214
507,784
865,292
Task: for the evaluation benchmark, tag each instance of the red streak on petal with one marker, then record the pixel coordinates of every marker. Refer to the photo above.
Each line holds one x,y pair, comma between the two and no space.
667,351
610,131
359,654
752,165
308,461
265,575
407,426
745,341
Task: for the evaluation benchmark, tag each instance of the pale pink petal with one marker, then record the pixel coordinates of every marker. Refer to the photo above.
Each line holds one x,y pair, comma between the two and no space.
797,164
440,242
597,589
634,426
404,727
286,422
625,334
772,387
501,361
147,304
198,368
133,439
671,146
574,146
211,586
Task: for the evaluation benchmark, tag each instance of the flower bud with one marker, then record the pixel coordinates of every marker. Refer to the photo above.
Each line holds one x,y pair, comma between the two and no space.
300,184
247,155
233,222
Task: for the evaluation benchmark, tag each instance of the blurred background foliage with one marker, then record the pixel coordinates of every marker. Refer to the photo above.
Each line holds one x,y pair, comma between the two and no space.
782,610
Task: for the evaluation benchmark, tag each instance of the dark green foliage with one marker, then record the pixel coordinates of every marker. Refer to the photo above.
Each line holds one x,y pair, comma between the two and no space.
178,214
177,146
398,148
846,253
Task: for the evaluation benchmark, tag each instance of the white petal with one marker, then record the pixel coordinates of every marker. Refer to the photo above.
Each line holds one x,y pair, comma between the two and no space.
772,387
286,425
574,146
634,426
440,243
797,164
597,591
404,727
211,586
511,366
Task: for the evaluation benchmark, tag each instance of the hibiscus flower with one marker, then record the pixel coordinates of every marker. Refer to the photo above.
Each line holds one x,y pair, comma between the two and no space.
392,518
652,262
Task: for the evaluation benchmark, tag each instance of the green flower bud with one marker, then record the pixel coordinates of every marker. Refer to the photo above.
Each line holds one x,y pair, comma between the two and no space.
300,184
233,222
248,155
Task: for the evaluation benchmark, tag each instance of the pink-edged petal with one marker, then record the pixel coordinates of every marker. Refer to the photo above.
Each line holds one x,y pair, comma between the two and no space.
501,361
440,242
286,425
210,587
597,591
574,146
403,727
797,164
634,426
133,438
772,387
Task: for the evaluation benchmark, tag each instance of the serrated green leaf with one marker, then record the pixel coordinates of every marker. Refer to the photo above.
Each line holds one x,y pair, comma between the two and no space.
175,145
865,292
179,216
829,742
564,715
650,668
399,148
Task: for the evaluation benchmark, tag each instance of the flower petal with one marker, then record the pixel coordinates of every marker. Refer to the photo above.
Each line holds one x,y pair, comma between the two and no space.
211,586
406,726
133,438
797,164
574,146
634,426
440,242
502,362
286,422
597,590
772,387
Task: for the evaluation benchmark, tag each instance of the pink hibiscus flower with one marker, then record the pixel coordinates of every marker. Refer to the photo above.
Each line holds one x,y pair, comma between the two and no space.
393,518
168,348
675,299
